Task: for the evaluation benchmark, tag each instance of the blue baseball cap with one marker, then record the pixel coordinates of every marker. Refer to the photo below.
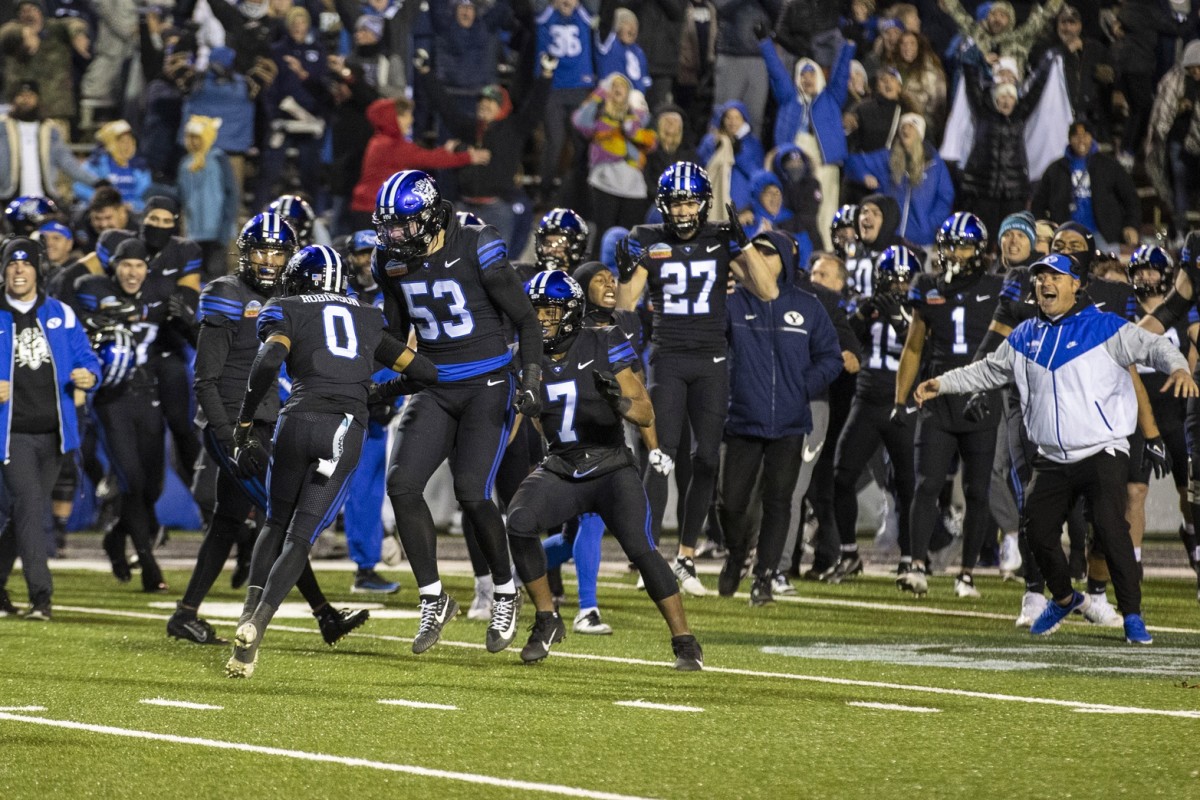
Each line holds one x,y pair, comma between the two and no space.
59,228
363,240
1058,262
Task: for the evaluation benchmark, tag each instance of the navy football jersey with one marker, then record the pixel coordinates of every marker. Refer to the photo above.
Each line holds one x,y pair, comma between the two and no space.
956,317
443,297
1177,334
575,418
180,258
231,304
97,293
876,381
687,282
332,355
1019,303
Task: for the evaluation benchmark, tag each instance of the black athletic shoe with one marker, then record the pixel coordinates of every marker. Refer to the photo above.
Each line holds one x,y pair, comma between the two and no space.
688,655
503,627
848,567
730,577
435,613
761,593
7,609
114,548
548,629
191,628
337,622
38,613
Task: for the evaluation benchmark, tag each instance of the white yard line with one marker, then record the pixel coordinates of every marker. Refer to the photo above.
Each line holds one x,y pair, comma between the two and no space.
656,706
22,708
301,755
894,707
418,704
160,701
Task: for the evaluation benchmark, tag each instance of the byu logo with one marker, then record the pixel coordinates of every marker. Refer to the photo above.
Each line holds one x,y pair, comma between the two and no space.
794,318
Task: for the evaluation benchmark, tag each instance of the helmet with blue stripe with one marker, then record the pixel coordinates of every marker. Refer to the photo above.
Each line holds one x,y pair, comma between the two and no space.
894,270
298,213
263,236
1151,258
961,229
683,182
564,255
25,215
315,269
467,218
117,351
557,289
409,214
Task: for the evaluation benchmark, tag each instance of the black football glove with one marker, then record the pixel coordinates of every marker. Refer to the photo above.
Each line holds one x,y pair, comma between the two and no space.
762,30
529,395
627,264
736,231
1159,457
900,415
179,309
250,458
977,408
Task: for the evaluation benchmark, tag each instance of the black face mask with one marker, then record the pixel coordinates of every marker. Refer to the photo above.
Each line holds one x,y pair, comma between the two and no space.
26,115
156,238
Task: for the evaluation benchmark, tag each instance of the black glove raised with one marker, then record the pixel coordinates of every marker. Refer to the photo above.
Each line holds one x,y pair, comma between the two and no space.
736,231
1159,457
627,264
178,308
977,409
529,395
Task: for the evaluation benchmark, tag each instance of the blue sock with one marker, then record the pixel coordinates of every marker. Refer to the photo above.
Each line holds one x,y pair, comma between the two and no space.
558,552
587,558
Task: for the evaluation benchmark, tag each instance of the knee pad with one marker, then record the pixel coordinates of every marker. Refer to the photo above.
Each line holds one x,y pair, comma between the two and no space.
660,580
704,464
521,522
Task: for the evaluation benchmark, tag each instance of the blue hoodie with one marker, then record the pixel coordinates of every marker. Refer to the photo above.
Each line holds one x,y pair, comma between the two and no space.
825,110
763,179
924,207
748,153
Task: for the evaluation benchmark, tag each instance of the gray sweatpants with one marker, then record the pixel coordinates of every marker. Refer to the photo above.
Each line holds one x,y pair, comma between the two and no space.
813,444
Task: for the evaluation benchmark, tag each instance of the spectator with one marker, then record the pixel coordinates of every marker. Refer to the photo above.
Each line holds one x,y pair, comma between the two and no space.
859,88
23,133
49,359
116,160
809,29
619,52
391,149
801,194
1016,240
661,30
810,115
911,172
565,32
1173,138
167,87
106,211
1086,68
995,180
887,45
209,195
466,47
1091,188
873,123
614,120
59,242
731,154
766,204
924,81
697,62
861,25
998,34
740,74
107,81
490,189
35,49
351,130
1138,26
672,145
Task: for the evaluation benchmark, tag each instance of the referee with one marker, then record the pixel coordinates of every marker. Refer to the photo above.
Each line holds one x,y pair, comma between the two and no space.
1070,366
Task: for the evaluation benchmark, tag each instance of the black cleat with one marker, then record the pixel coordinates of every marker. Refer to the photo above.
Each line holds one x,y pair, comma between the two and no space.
503,627
7,609
435,613
192,629
848,567
241,570
688,655
761,593
732,572
114,548
337,622
548,629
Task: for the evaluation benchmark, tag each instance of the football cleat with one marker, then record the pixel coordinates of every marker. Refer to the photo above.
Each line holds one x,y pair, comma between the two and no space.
1032,606
688,655
503,627
685,570
1053,615
964,586
7,609
1135,630
335,623
191,628
848,567
588,622
914,580
780,585
481,605
547,630
760,592
114,548
38,613
436,611
368,581
1100,612
245,652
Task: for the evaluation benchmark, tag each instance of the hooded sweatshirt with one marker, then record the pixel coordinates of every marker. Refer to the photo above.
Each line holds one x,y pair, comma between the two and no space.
390,151
820,115
862,265
748,153
206,186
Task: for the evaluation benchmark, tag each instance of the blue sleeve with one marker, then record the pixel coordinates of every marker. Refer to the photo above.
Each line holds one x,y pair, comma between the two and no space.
216,307
272,320
825,351
708,146
491,248
860,165
194,258
621,355
750,159
839,80
781,83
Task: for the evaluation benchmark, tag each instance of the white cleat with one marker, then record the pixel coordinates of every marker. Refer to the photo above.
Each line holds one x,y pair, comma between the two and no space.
1010,557
1032,606
964,586
1100,612
685,571
588,622
914,581
481,605
245,652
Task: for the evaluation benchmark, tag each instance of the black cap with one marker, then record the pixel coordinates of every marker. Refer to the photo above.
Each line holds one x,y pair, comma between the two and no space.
130,248
22,249
163,202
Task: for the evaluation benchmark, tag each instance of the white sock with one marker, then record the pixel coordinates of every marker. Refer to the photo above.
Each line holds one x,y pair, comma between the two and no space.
584,611
434,589
508,587
1137,554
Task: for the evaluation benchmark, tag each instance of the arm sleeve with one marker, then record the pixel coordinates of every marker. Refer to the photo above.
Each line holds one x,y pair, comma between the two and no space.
262,377
271,320
991,373
839,79
781,82
212,349
505,290
621,355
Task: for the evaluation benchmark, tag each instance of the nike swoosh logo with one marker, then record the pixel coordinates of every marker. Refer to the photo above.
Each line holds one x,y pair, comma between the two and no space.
717,360
578,474
751,316
155,305
450,264
809,455
169,271
712,249
629,336
546,644
495,383
1099,305
979,298
910,410
584,364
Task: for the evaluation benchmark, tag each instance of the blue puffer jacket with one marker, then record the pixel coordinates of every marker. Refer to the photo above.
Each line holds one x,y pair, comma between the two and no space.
69,350
825,109
747,158
923,207
781,353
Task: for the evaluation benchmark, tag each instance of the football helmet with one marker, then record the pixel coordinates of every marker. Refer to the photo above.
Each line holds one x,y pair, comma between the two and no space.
264,234
314,269
680,182
561,222
298,213
409,214
1151,257
961,229
556,289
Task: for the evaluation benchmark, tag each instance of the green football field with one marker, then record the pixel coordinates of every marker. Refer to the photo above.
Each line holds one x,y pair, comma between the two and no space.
850,691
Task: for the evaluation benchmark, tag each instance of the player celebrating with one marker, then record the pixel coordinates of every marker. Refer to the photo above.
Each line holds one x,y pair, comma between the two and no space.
330,343
589,391
686,263
455,285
